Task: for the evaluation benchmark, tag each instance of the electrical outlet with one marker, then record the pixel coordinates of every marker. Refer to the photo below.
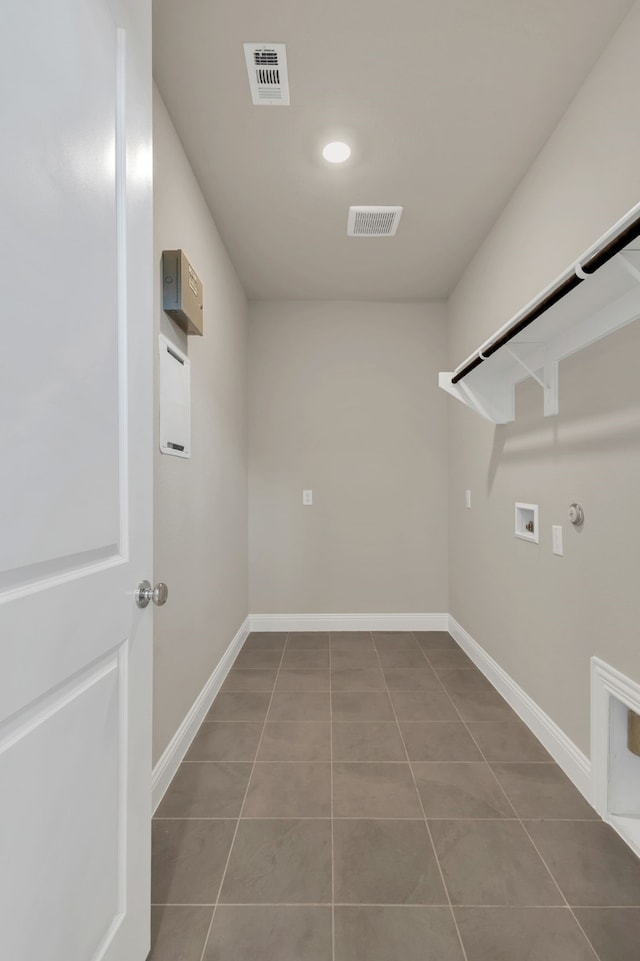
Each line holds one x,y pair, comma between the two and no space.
307,498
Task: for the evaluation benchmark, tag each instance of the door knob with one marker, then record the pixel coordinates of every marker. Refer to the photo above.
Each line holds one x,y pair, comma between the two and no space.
146,593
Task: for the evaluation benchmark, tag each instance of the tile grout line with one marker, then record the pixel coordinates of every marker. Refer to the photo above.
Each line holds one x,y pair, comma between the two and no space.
235,833
512,806
333,869
424,816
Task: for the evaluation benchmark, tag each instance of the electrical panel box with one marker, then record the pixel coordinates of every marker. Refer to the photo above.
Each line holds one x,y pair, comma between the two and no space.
182,291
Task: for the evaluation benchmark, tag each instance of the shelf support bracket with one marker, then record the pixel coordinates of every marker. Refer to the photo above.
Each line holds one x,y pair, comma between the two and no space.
548,381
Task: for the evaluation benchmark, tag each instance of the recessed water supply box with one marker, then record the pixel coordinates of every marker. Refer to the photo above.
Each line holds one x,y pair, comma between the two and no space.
527,522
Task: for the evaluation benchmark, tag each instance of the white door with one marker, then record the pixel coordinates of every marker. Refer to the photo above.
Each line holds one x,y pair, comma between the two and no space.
75,479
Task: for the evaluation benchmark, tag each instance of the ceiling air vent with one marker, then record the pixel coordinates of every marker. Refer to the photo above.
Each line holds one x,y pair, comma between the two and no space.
268,79
373,221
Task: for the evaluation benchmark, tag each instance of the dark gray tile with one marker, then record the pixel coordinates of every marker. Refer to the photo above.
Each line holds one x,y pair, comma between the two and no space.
376,741
347,706
614,932
491,863
403,659
270,934
188,860
509,934
358,657
179,933
351,640
308,641
279,862
439,741
542,791
299,707
450,659
239,706
225,741
460,791
394,640
301,680
305,660
249,680
508,741
590,862
296,741
414,679
289,791
396,934
424,706
213,790
385,862
435,641
374,791
257,660
481,705
358,679
265,641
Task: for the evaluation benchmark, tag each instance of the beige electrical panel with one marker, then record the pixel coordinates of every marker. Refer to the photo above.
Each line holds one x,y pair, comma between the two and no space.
182,291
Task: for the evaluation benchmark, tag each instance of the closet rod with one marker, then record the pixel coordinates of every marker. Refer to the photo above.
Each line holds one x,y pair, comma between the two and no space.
593,262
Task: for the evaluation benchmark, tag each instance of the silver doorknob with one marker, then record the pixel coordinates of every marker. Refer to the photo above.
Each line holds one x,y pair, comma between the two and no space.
146,593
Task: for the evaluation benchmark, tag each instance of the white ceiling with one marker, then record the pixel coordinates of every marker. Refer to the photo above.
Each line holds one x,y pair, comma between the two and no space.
445,103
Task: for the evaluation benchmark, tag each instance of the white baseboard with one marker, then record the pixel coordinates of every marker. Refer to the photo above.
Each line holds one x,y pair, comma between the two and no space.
349,622
175,751
570,758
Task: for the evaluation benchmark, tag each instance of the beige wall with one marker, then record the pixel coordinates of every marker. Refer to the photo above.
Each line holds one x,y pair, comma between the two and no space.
343,400
542,616
201,503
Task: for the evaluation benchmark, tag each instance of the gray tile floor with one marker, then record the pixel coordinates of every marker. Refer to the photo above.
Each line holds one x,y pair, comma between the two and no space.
370,797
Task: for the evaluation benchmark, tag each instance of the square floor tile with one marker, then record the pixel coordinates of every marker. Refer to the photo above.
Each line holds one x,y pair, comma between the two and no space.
358,657
435,641
414,679
450,659
424,706
249,933
614,932
508,741
299,707
279,862
394,640
249,680
359,706
542,791
376,741
265,641
179,933
239,706
225,741
439,741
403,659
396,934
461,681
491,863
188,860
301,680
296,741
308,641
374,791
351,640
385,862
305,659
358,679
257,660
590,862
509,934
210,790
289,791
460,791
481,705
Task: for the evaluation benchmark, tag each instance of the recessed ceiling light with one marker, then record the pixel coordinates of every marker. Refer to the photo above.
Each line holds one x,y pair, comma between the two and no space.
336,152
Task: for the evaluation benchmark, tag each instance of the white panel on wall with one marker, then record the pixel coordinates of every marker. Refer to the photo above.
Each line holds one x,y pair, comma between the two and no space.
175,400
